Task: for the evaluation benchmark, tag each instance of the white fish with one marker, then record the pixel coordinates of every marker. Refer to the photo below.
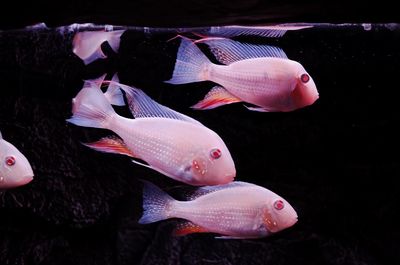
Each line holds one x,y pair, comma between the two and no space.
15,169
234,210
169,142
258,74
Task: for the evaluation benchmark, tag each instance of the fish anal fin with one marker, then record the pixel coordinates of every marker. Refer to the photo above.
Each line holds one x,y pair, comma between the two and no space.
111,144
218,96
187,227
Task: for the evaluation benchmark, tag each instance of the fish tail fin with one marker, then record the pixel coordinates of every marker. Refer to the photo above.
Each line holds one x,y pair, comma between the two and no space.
93,110
156,204
87,44
190,64
114,94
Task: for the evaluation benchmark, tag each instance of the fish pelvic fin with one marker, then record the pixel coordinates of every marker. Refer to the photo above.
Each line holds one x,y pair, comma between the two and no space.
187,227
218,96
156,204
191,64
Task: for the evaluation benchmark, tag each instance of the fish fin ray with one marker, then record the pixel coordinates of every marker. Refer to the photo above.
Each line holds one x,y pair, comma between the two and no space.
228,51
199,192
114,94
142,106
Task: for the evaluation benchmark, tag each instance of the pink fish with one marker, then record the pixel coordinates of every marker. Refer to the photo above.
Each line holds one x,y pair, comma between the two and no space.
234,210
87,44
169,142
15,169
258,74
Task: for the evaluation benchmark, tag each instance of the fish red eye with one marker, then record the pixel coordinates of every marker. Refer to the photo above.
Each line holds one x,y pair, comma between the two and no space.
305,78
215,153
10,161
278,204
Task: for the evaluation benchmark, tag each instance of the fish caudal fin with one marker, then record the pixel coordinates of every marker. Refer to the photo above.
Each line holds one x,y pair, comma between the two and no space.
87,44
190,64
114,94
93,110
156,204
218,96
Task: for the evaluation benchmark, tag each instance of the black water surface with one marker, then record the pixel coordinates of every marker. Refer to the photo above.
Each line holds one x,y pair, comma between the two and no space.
335,161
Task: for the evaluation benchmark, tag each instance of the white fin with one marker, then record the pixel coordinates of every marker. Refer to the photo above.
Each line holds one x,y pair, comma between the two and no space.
210,189
234,237
228,51
87,44
92,110
262,109
142,164
275,31
1,136
156,204
114,94
142,106
189,64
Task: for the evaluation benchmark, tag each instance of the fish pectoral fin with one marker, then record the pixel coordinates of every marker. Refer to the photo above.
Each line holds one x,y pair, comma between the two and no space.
218,96
111,144
187,227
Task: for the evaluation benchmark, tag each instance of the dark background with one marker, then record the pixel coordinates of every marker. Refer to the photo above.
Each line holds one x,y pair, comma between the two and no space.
336,161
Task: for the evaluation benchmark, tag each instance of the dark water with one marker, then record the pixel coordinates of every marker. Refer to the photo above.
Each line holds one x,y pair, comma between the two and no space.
335,161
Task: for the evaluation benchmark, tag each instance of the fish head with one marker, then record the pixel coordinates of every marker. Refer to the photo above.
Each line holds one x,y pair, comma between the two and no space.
305,92
15,169
278,214
212,165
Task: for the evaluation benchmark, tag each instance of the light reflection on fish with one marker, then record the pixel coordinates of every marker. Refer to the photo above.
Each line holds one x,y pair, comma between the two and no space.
15,169
235,210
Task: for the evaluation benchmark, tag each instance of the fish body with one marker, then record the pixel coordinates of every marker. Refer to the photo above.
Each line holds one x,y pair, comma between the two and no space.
15,169
260,75
169,142
235,210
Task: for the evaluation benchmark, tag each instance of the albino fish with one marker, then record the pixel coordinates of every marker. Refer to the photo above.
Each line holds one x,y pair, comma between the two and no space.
15,169
113,94
87,44
258,74
169,142
234,210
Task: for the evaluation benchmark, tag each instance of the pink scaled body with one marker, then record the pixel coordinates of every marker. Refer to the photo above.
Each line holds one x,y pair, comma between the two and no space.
260,75
235,210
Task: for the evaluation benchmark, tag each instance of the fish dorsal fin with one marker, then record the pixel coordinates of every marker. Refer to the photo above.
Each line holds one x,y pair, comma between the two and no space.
142,106
210,189
186,227
272,31
1,136
228,51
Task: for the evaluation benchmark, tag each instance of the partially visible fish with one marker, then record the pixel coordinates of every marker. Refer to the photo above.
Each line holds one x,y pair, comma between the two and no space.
87,44
258,74
169,142
235,210
15,169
